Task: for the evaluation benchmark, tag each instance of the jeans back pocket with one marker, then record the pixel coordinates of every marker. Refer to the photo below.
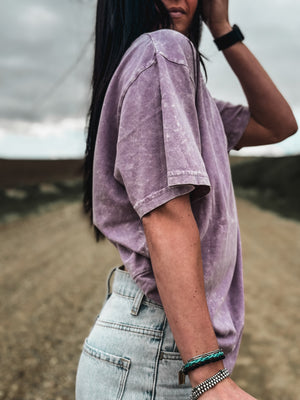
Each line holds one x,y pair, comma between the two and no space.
100,373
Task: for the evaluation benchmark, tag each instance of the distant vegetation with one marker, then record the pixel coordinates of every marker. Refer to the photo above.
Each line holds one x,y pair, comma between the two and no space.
28,199
272,183
28,187
31,186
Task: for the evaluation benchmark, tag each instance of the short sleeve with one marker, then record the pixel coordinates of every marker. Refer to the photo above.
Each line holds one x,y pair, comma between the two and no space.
158,152
235,120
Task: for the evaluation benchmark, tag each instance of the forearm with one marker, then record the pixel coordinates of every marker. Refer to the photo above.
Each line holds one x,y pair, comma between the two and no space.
175,250
267,105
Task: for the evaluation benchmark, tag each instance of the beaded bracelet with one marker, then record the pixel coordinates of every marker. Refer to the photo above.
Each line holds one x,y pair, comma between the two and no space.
199,361
203,387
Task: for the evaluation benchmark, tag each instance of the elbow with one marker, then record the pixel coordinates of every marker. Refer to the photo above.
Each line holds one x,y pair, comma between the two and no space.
289,128
292,127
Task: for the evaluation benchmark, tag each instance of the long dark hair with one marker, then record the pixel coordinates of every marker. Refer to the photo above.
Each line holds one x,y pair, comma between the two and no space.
118,24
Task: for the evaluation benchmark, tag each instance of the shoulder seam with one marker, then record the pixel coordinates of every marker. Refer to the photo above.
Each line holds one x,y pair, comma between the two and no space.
181,64
194,55
145,68
149,65
165,55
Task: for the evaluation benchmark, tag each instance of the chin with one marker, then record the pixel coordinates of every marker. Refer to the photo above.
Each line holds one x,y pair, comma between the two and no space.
181,30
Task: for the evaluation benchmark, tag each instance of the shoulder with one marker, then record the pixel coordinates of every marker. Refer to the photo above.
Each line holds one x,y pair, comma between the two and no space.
139,57
170,44
173,45
146,55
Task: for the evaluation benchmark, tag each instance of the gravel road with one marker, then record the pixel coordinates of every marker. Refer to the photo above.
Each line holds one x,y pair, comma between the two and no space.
52,284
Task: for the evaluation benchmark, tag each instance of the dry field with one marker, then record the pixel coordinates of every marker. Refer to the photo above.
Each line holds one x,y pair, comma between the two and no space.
52,284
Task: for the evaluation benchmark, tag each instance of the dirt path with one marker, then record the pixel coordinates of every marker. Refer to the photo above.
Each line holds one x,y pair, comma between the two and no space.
52,284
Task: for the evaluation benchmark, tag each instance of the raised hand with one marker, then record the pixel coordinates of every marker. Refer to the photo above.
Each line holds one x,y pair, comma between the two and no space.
215,15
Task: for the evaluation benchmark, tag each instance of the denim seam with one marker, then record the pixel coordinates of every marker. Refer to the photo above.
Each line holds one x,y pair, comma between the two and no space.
124,364
96,358
146,302
96,354
166,355
157,360
122,384
123,295
131,328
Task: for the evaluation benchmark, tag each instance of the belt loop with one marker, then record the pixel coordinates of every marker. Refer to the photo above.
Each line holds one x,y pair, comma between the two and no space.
137,302
108,290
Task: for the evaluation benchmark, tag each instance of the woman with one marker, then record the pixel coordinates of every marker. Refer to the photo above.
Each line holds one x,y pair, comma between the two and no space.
158,185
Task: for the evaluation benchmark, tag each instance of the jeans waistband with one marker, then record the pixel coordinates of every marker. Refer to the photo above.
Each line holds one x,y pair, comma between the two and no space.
124,285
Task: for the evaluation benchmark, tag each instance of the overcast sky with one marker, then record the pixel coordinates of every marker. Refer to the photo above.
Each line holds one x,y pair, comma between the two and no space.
46,60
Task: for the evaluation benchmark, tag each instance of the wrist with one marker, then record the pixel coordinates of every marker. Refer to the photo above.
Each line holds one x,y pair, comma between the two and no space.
200,374
209,384
231,38
218,30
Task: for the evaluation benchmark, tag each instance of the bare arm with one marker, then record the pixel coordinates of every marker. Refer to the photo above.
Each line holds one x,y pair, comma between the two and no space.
272,119
174,244
175,250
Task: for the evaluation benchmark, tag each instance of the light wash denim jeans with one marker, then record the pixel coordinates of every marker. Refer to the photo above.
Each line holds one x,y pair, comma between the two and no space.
130,353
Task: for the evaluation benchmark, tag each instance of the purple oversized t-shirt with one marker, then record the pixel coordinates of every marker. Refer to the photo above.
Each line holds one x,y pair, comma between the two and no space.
162,135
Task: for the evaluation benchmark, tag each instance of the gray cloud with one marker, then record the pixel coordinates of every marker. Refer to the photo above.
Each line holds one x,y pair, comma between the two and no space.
39,42
41,39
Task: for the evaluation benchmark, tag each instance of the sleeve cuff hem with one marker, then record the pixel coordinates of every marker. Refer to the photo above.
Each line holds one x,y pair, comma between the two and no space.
244,121
176,189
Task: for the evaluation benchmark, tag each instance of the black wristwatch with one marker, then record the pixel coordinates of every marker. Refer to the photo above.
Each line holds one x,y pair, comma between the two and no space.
230,38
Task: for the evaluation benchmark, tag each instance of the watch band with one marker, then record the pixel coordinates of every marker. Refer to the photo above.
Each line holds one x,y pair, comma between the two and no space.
230,38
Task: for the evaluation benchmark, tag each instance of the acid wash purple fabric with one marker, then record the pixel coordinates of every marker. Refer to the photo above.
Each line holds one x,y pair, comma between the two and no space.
162,135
